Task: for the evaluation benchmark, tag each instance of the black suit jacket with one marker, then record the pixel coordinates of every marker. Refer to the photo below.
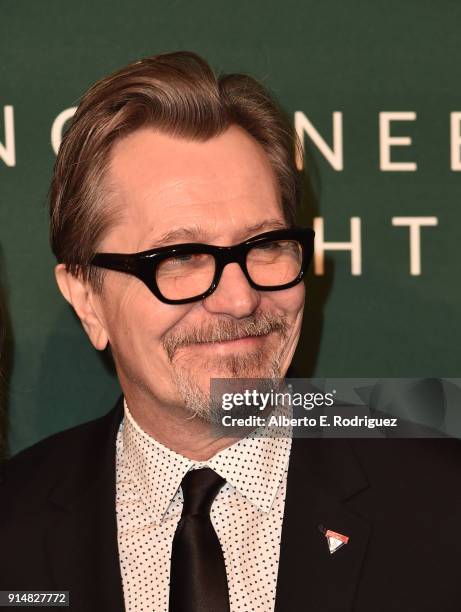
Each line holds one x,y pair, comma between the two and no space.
398,500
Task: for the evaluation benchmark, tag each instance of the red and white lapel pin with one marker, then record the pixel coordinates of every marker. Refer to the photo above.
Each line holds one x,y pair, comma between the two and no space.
335,540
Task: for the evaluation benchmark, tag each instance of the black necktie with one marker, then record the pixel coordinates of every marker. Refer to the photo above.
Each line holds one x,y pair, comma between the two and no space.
198,581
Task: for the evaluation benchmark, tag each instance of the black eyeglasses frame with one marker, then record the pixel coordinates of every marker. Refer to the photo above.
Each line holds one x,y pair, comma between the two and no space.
143,264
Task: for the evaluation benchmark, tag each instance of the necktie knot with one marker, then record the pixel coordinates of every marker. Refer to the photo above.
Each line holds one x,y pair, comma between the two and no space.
199,488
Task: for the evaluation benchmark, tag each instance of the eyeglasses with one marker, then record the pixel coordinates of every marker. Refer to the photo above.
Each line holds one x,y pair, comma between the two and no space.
184,273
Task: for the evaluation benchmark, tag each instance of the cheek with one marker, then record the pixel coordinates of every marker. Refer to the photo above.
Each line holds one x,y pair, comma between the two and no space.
136,318
289,302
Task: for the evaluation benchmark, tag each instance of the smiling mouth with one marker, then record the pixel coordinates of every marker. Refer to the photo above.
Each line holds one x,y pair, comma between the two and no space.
240,341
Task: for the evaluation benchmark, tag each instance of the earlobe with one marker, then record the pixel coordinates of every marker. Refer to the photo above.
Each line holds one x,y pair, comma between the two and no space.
80,296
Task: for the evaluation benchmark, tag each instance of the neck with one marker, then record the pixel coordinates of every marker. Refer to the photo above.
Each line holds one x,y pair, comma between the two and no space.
176,428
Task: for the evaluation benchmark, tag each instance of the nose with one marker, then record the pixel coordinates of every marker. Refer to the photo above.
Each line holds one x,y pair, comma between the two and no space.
234,295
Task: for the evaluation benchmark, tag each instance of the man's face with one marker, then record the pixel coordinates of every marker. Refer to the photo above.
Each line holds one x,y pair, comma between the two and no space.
220,192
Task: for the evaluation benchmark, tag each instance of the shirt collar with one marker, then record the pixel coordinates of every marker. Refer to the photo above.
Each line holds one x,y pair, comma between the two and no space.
253,465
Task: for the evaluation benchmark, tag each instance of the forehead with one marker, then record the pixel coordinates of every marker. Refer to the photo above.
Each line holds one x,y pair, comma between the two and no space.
165,182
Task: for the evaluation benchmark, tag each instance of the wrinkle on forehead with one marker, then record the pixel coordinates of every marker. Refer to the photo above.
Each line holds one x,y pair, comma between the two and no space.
224,183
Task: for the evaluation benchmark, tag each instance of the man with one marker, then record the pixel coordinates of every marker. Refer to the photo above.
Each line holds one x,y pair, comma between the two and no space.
162,171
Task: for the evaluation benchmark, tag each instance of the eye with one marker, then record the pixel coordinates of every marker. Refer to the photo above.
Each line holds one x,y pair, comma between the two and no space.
187,259
186,264
269,246
179,259
185,275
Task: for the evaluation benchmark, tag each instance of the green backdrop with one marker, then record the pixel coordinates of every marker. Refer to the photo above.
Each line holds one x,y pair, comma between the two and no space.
357,58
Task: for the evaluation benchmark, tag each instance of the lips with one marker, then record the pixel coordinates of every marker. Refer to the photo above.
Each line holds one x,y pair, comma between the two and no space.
237,343
228,340
247,337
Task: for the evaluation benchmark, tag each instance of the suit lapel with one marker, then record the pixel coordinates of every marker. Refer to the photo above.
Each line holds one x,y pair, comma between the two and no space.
323,475
81,540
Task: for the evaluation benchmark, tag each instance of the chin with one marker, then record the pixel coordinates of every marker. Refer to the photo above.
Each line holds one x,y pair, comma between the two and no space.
252,366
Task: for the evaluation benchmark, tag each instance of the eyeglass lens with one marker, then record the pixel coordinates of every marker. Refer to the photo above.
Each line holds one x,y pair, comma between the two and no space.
270,264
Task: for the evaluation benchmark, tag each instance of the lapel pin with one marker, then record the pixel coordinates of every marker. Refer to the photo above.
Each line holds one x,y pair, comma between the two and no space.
335,540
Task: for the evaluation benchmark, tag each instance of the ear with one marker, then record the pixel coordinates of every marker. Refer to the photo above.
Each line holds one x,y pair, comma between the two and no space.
81,297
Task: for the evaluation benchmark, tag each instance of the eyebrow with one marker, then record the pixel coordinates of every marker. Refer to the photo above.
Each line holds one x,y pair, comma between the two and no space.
197,233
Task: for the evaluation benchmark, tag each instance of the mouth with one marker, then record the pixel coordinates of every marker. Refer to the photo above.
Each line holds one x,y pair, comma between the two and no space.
236,343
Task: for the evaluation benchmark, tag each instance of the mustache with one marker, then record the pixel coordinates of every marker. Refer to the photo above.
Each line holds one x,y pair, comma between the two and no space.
226,329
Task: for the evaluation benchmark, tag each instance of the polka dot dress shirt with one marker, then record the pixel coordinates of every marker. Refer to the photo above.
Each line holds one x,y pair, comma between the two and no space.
246,514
